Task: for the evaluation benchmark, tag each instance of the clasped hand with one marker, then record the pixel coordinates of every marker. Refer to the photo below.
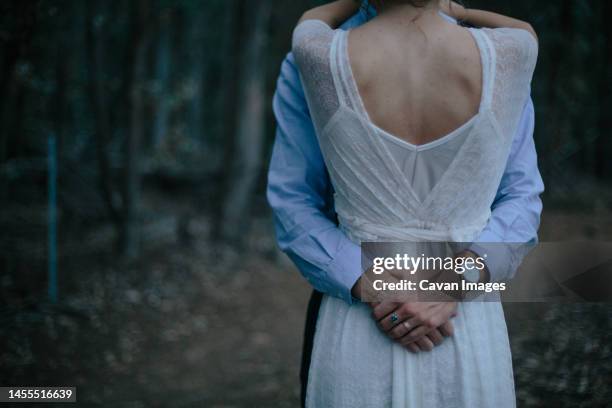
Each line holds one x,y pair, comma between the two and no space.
417,326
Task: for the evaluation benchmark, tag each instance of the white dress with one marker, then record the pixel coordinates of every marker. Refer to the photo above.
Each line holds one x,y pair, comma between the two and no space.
389,190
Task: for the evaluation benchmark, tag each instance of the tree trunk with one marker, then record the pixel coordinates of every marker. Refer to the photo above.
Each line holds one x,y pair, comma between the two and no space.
247,157
99,104
553,157
198,75
162,80
233,40
131,187
16,43
603,165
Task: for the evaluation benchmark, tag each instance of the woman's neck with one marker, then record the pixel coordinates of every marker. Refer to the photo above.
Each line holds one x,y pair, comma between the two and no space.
405,10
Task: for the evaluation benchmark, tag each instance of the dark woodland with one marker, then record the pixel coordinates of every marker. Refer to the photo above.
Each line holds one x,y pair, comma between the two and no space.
138,260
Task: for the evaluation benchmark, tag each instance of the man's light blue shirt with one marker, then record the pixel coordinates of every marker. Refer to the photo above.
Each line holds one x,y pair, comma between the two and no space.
301,196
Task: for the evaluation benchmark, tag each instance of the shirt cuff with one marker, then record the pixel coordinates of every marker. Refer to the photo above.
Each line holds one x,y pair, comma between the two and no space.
346,269
497,257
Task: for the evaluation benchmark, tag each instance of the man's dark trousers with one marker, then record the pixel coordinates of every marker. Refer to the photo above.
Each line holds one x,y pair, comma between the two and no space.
309,332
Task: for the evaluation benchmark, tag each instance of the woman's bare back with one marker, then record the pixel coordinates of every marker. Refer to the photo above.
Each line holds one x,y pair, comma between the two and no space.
419,80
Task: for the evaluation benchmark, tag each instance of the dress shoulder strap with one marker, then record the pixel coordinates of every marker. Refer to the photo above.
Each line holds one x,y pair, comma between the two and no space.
487,57
341,71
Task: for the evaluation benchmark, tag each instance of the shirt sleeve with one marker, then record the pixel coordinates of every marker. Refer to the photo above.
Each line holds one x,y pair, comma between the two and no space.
299,190
300,194
515,217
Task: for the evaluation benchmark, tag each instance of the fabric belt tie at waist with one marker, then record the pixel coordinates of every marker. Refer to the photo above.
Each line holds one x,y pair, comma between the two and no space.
359,230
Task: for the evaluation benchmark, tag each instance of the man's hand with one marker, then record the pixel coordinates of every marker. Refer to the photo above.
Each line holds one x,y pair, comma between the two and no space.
364,290
417,326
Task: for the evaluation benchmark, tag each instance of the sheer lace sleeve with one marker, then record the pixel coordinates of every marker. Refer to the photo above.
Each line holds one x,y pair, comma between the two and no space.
312,41
518,46
516,54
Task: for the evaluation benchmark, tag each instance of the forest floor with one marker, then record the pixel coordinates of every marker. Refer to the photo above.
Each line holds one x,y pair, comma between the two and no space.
208,326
